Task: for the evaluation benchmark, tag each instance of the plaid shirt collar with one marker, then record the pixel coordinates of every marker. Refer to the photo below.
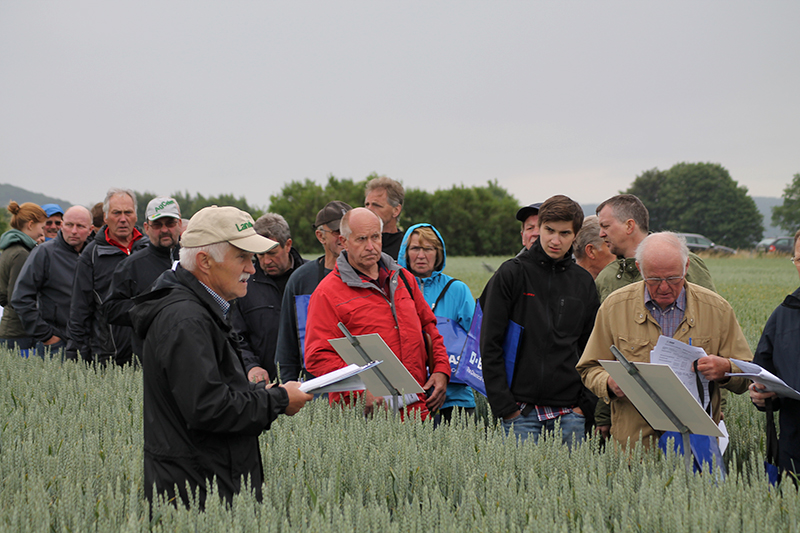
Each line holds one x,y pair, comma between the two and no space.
223,304
670,318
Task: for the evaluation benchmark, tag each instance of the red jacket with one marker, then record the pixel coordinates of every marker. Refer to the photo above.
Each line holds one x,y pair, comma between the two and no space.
364,308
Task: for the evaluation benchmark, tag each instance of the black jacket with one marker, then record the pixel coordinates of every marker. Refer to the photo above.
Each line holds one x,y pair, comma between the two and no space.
256,316
779,352
391,243
556,303
132,277
88,331
44,289
202,417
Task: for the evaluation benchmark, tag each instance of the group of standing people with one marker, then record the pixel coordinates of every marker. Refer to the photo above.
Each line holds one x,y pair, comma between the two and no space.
226,317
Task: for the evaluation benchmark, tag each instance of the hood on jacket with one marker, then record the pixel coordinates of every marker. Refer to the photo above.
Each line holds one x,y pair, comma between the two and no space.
401,256
15,236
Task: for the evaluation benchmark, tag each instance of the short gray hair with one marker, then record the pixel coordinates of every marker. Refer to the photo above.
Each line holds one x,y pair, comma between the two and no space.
217,252
273,226
589,234
395,193
344,225
114,191
661,239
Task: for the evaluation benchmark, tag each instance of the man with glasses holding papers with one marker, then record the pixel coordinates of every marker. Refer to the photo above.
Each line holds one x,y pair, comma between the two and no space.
633,318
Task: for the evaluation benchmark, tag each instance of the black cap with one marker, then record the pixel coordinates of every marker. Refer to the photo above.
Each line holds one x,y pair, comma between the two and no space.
332,214
528,210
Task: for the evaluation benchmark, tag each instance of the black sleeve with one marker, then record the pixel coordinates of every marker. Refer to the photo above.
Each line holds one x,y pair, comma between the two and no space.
497,301
240,326
123,287
31,279
206,401
81,308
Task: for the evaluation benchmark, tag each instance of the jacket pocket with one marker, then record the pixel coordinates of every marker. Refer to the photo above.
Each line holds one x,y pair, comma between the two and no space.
635,349
568,316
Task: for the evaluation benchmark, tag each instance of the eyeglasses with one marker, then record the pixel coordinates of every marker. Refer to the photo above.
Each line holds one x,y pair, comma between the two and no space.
158,224
55,222
656,282
334,232
418,249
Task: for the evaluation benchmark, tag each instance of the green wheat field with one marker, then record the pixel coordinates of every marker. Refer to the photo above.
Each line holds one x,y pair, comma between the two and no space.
71,458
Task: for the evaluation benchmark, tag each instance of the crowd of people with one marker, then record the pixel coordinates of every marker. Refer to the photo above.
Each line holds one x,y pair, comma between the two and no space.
226,317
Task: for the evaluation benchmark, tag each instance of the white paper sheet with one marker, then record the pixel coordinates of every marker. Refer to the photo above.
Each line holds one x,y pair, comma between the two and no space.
764,377
679,356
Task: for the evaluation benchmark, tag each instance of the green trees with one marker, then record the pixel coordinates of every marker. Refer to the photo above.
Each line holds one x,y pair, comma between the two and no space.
700,198
787,216
472,220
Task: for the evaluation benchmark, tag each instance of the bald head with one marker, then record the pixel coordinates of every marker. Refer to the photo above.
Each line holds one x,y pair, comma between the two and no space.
356,217
77,226
361,237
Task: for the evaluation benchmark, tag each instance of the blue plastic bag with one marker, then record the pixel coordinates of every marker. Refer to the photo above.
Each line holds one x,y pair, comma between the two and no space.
470,368
454,337
705,451
301,306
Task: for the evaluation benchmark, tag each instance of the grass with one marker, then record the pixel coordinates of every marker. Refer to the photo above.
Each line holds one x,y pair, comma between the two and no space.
71,459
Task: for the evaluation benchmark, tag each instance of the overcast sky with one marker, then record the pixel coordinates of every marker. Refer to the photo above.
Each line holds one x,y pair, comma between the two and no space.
562,97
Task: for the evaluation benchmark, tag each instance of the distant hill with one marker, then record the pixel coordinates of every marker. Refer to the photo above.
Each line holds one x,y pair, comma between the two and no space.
20,195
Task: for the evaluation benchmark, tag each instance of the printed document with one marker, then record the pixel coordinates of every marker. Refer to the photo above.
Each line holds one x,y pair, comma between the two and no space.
680,357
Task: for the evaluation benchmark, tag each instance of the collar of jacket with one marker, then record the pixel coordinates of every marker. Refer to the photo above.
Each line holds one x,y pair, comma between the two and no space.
349,275
65,245
627,268
641,314
792,301
194,286
538,255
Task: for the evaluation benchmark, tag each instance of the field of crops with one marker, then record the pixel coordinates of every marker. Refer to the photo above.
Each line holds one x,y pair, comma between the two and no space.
71,459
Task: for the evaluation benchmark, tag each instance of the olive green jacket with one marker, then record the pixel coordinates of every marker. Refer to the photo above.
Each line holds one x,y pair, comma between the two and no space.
623,272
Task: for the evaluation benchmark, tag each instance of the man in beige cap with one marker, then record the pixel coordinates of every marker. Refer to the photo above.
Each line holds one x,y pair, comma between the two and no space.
202,417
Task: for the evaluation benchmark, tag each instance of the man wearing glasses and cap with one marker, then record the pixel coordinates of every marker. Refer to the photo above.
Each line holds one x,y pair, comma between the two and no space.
202,416
134,274
663,303
55,216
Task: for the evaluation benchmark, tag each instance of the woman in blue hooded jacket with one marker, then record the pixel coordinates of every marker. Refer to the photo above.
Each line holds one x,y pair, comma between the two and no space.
423,253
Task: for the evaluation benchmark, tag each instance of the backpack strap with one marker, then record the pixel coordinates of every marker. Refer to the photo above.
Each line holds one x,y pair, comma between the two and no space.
441,294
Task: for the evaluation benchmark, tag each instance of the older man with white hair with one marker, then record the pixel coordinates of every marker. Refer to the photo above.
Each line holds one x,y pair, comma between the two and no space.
202,416
663,303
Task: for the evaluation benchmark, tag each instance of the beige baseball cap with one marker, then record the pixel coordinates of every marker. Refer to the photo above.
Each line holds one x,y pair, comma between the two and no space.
228,224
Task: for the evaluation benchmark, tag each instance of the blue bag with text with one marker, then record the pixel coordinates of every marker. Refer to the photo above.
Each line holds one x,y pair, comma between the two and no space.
454,337
470,368
301,307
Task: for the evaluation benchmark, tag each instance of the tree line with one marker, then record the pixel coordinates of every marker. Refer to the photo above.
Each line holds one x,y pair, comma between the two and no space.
479,220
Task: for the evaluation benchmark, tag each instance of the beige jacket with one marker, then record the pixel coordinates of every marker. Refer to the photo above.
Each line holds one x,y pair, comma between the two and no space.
624,321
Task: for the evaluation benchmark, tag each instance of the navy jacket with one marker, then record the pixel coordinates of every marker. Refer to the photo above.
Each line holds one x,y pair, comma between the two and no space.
778,351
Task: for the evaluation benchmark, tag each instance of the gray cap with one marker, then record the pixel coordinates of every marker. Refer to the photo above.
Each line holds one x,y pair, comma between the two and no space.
332,214
528,210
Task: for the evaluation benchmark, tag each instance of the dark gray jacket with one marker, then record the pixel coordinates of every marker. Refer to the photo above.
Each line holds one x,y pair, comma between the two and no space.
88,331
44,289
132,277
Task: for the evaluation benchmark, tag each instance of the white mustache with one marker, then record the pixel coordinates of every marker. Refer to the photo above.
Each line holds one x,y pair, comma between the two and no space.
244,277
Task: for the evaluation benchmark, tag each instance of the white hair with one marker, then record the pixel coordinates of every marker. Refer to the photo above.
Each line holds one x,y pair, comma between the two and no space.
114,191
664,238
217,252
